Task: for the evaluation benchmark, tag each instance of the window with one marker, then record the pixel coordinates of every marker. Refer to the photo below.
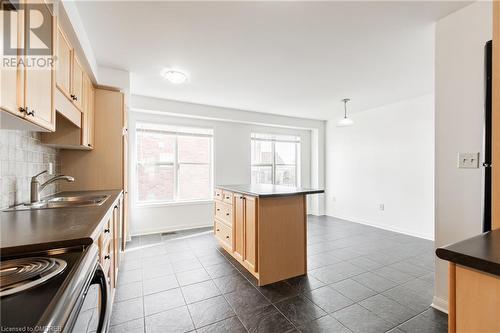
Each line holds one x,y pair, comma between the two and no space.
275,159
174,164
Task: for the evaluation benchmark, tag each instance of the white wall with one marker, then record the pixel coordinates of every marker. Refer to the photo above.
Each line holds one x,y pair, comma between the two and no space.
387,158
231,156
460,39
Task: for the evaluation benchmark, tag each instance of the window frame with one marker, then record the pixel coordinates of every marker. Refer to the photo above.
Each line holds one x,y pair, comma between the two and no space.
142,126
273,139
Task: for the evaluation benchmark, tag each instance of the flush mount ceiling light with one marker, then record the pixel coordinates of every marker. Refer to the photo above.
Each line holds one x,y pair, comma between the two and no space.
346,121
174,76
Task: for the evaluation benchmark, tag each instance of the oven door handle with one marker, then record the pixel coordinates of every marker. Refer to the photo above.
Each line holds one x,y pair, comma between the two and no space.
100,279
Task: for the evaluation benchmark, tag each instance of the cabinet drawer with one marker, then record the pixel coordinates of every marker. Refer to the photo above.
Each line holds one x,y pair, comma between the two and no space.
227,197
218,194
224,212
223,233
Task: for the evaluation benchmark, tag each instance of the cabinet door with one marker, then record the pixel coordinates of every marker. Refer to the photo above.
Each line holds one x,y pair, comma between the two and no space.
63,63
250,253
12,77
77,84
88,113
239,225
39,83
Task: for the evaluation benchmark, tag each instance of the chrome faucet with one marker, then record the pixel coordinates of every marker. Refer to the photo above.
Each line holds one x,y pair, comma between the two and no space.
36,187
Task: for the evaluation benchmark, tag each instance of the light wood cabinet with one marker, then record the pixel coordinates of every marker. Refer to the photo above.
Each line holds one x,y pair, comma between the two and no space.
77,84
12,79
239,226
30,90
474,300
67,134
250,233
64,54
88,113
108,244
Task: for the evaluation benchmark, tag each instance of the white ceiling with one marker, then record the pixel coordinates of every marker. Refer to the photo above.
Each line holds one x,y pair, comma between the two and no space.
291,58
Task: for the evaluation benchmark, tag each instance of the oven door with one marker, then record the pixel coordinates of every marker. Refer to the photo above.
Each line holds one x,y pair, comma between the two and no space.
93,315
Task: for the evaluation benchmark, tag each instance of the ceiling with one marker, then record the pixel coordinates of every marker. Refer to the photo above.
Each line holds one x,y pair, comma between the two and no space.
290,58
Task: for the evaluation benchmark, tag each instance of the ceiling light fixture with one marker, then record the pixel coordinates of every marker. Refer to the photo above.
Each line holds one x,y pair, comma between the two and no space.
174,76
346,121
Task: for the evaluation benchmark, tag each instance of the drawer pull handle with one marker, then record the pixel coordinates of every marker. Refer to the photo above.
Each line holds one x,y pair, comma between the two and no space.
107,257
106,231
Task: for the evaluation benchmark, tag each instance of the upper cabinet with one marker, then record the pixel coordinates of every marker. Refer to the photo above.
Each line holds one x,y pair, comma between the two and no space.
63,64
88,113
29,82
77,84
74,100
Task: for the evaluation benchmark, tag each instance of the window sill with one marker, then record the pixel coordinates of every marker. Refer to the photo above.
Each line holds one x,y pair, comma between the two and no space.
174,204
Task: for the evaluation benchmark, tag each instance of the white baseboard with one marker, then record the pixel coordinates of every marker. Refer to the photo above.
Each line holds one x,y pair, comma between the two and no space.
371,224
440,304
168,229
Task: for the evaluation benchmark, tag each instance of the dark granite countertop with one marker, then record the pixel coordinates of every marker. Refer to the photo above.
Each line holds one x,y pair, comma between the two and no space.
480,252
266,190
42,229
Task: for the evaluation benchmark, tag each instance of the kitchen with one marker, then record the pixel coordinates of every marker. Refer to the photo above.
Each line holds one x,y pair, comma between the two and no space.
192,184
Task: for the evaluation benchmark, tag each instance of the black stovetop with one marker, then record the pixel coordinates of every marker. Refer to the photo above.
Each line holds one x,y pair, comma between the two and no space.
24,310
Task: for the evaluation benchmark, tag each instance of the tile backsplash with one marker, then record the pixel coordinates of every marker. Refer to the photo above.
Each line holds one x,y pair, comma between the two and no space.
22,156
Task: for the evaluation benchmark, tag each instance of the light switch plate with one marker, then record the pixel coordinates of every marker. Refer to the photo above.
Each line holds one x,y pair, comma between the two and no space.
468,160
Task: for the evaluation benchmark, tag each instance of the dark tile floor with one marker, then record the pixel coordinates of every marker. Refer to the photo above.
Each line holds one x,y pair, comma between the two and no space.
360,279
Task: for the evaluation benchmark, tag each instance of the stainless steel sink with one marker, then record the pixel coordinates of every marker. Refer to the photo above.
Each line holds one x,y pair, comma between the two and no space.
64,201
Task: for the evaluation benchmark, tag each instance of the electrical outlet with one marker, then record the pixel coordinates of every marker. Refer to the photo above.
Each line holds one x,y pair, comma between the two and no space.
468,160
381,206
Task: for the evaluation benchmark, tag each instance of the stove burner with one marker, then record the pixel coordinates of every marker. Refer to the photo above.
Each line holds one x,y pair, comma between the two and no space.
21,274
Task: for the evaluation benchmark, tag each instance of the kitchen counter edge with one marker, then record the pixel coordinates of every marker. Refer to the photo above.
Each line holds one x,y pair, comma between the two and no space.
481,252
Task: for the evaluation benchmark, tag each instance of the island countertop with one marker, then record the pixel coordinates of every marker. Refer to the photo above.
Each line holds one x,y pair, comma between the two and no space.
481,252
267,190
42,229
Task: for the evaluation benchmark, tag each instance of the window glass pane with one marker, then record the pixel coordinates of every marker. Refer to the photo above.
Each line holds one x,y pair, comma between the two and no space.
262,152
285,153
262,175
193,149
155,147
285,175
194,182
155,182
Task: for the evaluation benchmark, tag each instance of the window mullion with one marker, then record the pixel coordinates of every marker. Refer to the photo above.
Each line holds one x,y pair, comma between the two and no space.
176,169
273,145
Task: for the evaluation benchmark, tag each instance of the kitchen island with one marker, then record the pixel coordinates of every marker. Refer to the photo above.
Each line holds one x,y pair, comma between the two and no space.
264,227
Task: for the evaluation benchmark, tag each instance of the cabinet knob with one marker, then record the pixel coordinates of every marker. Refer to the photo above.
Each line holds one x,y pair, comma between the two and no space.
218,230
227,214
107,257
88,144
227,237
218,209
106,231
